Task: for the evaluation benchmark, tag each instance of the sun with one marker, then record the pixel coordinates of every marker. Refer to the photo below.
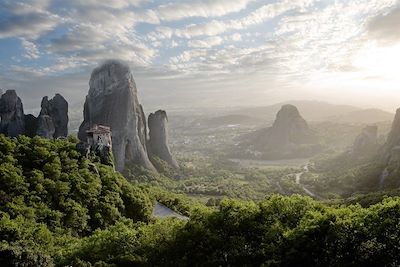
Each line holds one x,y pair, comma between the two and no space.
379,61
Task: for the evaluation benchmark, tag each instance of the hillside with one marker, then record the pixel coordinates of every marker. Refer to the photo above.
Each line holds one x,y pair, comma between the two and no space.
310,110
61,209
288,137
320,111
365,116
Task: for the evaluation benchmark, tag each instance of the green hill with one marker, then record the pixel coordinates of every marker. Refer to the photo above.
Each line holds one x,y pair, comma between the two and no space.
58,208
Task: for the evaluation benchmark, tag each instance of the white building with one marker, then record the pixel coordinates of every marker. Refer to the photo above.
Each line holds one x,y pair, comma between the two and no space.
99,135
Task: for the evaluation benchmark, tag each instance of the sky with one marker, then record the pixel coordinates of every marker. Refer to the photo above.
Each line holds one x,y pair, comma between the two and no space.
206,53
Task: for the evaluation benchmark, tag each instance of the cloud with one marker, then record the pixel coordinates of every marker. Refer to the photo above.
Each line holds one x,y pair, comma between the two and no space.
188,55
160,33
31,50
386,27
26,20
258,16
117,4
325,40
235,37
206,43
205,8
100,33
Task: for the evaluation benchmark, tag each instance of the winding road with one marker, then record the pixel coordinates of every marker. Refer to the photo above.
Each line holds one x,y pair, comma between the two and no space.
298,181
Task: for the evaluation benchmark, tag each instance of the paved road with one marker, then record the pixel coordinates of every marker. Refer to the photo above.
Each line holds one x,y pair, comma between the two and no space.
161,211
298,181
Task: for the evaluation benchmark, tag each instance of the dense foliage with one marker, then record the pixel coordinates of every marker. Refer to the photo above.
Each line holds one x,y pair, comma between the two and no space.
58,208
212,178
279,231
47,187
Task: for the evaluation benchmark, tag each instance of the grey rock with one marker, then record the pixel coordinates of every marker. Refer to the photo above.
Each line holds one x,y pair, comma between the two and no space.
390,152
12,114
289,136
57,110
393,139
158,141
366,142
289,127
45,126
112,101
30,125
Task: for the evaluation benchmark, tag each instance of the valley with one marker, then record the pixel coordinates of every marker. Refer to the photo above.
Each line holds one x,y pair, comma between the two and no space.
150,189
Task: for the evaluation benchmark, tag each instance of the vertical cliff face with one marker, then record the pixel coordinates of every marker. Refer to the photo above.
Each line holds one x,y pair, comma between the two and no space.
112,101
158,133
57,109
12,114
289,128
393,139
45,126
288,137
390,151
53,117
51,123
366,142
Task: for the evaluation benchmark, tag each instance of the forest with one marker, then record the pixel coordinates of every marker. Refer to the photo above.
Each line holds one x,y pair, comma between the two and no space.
58,208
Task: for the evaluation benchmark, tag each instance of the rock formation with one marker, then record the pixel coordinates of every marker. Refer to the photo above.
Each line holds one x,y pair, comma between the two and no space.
12,114
30,125
158,137
393,139
45,126
289,128
366,142
289,136
390,151
53,117
112,101
52,121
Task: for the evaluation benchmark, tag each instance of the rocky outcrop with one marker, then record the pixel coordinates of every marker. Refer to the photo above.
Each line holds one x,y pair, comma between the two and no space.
112,101
390,152
289,128
51,123
45,126
30,125
289,136
53,117
366,142
158,137
393,139
12,114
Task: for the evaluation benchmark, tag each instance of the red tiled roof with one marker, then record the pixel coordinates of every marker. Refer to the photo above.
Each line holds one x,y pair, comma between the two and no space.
99,129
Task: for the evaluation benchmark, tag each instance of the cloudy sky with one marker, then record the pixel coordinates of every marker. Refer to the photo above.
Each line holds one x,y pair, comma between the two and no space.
197,53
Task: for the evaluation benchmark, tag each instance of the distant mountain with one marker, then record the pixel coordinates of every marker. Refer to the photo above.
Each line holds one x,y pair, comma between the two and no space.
288,137
365,116
310,110
319,111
